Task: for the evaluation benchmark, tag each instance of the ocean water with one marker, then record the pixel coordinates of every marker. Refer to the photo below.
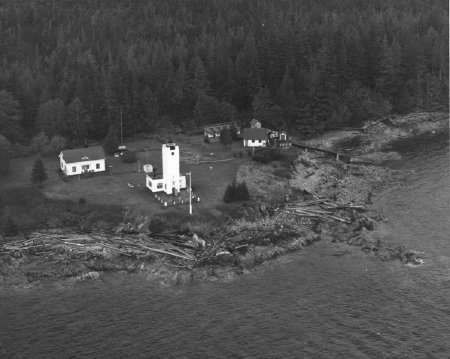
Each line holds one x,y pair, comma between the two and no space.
309,304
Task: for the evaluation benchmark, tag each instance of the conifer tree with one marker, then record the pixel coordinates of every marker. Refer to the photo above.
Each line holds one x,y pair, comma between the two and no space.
39,173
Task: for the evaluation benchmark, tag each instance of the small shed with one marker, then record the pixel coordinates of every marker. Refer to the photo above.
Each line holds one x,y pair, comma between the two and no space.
255,137
82,160
254,123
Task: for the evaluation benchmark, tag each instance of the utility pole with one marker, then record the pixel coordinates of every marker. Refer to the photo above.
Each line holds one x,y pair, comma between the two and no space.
190,191
121,129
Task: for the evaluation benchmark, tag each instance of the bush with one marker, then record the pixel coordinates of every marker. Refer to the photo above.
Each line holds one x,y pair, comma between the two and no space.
225,136
10,228
129,157
267,156
157,225
56,145
236,192
40,143
22,151
283,173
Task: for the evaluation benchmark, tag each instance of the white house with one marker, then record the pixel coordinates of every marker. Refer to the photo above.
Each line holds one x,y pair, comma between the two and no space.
170,181
213,131
255,137
82,160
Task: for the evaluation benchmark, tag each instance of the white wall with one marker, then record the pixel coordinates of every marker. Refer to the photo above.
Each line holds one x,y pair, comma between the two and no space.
69,167
255,143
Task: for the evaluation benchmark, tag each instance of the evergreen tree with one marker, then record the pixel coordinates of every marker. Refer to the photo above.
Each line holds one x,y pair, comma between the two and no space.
39,173
10,117
78,121
111,141
236,192
51,117
5,155
266,111
225,136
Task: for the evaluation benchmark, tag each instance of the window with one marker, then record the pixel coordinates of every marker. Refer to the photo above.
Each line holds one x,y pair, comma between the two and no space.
74,169
173,153
97,166
159,185
253,141
85,167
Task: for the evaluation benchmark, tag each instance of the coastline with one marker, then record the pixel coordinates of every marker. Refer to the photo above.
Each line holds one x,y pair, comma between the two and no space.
268,231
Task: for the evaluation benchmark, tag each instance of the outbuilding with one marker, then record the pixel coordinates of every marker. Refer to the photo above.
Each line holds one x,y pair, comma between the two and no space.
82,160
254,123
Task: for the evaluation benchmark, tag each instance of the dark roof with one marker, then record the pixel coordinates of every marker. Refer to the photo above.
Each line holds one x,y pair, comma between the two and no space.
254,134
83,154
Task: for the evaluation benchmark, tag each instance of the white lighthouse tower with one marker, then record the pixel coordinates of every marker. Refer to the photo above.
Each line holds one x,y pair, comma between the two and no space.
171,181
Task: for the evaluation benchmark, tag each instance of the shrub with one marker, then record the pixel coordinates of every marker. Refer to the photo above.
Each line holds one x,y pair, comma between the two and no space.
225,136
234,133
349,142
236,192
129,157
282,172
10,228
22,151
268,155
56,145
157,225
40,143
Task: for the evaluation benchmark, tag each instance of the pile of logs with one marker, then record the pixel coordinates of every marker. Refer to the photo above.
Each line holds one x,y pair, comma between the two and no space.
320,208
184,250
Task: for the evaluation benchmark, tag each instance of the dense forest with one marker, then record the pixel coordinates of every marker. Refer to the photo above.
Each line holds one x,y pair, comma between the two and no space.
68,68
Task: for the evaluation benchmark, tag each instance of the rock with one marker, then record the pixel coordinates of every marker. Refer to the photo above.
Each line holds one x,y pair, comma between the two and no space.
247,261
143,227
223,258
90,275
200,242
224,272
54,223
17,254
101,225
183,278
37,241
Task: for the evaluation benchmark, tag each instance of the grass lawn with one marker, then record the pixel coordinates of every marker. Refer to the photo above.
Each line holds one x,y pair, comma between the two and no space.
21,168
209,180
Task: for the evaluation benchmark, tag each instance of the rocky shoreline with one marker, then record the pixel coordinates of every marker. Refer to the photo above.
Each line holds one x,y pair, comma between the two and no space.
324,200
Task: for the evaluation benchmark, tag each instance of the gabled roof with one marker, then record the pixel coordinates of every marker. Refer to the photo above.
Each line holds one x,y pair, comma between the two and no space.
254,134
83,154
